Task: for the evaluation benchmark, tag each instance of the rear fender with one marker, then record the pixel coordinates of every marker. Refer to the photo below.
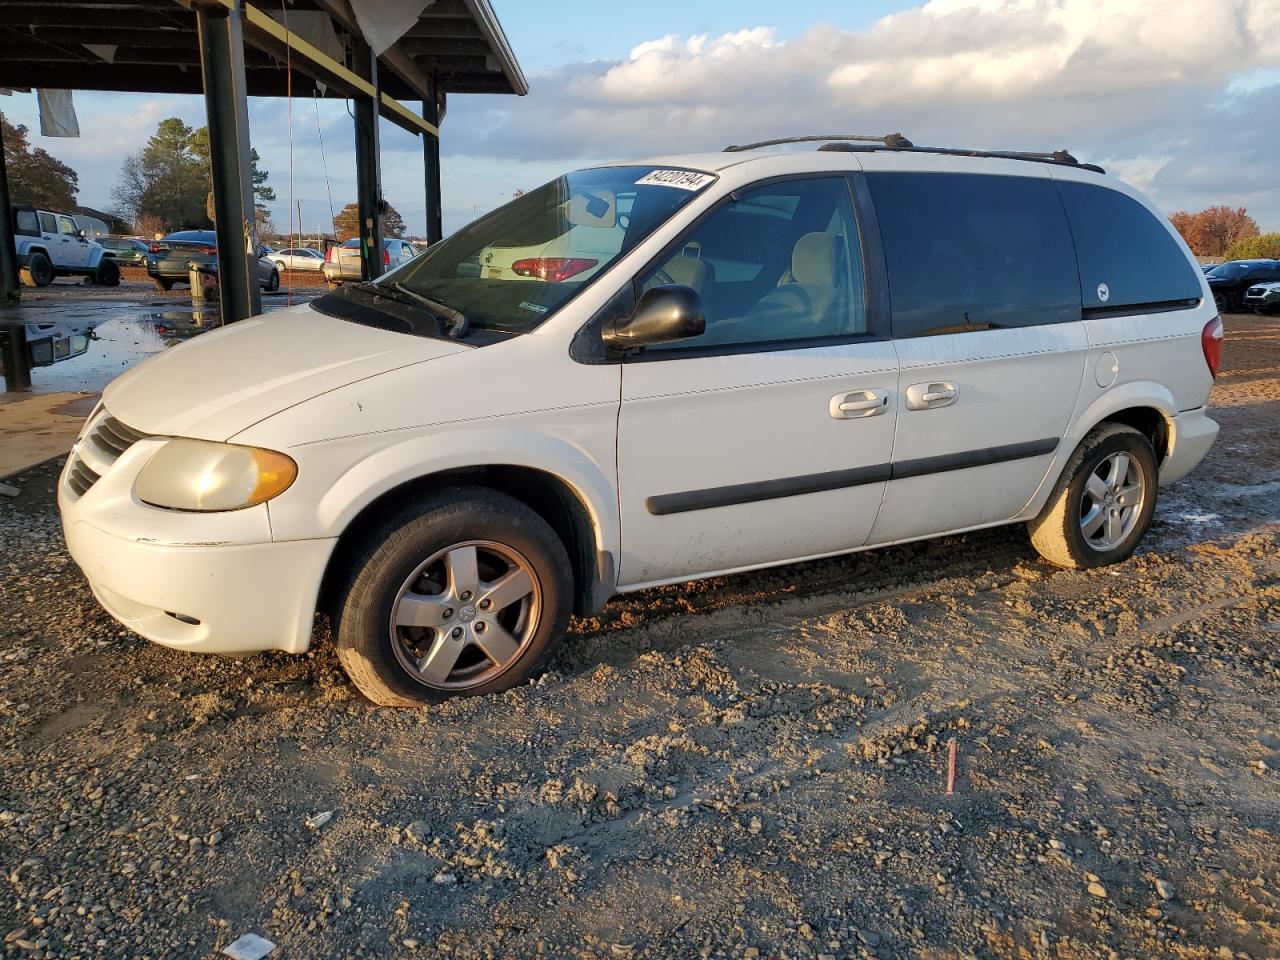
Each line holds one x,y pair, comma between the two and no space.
1140,393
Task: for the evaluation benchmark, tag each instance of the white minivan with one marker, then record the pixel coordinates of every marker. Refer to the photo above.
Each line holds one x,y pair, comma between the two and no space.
788,355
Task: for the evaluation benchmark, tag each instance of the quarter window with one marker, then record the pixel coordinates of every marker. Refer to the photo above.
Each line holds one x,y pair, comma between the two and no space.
779,263
969,252
1127,256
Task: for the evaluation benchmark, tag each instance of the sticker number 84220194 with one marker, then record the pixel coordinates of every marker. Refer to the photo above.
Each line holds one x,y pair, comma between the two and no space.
684,179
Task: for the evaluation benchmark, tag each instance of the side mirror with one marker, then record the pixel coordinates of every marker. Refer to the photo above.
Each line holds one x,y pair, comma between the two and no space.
80,234
665,313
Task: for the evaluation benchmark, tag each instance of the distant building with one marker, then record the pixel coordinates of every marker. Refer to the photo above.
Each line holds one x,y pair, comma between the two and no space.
103,223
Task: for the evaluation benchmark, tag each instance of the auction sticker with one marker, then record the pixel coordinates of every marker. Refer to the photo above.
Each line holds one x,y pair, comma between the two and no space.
684,179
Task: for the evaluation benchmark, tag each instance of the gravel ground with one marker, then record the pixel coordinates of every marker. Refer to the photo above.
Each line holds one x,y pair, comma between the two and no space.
751,766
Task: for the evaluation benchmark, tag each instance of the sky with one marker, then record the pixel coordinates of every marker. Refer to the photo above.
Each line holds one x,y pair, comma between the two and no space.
1178,97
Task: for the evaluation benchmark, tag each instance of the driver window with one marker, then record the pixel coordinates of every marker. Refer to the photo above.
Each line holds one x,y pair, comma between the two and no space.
781,263
68,227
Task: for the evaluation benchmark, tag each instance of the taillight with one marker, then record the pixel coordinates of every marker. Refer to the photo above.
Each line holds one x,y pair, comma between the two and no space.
386,257
553,269
156,248
1211,343
209,251
328,255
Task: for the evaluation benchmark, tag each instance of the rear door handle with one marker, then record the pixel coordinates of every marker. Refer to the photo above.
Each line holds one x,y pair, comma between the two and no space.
929,396
859,404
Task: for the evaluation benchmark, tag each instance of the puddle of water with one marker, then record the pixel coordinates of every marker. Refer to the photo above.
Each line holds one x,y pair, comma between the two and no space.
88,345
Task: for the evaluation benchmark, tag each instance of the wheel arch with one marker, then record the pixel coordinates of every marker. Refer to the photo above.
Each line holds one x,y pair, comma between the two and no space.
1146,406
553,498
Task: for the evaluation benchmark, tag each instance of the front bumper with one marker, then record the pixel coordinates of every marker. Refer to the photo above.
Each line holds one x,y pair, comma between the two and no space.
207,582
205,598
1191,435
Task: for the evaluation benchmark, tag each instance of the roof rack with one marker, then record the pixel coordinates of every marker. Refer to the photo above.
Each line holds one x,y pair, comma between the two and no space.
896,141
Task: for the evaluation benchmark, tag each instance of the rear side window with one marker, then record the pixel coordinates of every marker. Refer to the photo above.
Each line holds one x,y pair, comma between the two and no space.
968,252
27,223
1127,256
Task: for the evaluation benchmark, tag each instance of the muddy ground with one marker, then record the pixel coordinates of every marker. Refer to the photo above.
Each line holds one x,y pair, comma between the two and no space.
752,766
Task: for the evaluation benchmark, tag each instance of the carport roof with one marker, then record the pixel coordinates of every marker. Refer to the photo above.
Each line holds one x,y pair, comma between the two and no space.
456,44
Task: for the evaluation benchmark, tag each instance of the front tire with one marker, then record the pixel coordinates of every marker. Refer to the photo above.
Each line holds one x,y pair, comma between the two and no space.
1103,502
39,269
464,593
273,282
162,284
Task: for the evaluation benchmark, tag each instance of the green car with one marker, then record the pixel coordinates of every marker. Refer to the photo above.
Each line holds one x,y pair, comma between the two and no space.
128,251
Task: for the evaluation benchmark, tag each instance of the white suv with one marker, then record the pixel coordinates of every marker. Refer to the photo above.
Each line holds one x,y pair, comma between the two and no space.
790,355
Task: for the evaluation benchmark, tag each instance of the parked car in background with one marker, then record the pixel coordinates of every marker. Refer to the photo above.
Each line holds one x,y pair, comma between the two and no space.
1230,280
1263,297
343,263
463,462
171,258
597,226
128,251
50,245
297,258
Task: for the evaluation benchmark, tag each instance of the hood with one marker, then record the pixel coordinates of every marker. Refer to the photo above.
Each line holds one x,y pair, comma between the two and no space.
220,383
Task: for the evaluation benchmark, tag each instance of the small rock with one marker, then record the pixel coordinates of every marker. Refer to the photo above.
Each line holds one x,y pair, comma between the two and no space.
622,949
1165,889
1098,890
419,830
444,878
410,943
318,820
755,827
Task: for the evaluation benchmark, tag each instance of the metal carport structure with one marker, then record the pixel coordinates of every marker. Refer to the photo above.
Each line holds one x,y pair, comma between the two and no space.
232,49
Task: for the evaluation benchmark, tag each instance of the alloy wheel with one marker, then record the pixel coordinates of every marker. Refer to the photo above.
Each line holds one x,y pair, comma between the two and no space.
1112,502
465,615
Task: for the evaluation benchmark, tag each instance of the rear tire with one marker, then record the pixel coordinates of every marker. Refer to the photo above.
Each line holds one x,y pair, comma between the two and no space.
1102,505
421,618
162,284
273,282
108,273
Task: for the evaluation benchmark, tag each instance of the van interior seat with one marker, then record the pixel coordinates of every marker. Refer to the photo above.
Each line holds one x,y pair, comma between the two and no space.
691,272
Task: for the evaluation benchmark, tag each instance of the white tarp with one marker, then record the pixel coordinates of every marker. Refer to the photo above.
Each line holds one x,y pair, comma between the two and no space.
313,26
57,114
383,22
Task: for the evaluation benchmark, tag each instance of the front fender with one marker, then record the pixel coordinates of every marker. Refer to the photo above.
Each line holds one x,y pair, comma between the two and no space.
424,455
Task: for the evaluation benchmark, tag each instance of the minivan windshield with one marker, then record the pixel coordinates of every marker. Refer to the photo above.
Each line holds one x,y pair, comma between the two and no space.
1229,271
511,270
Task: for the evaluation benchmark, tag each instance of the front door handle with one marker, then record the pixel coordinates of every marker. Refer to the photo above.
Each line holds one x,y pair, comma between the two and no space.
859,404
929,396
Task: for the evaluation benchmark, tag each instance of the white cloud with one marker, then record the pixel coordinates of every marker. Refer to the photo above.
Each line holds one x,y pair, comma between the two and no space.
1141,86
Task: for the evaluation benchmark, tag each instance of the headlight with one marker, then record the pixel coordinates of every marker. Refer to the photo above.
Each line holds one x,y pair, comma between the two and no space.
203,476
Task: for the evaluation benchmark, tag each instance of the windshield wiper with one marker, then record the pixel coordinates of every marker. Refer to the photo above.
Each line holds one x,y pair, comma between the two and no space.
457,325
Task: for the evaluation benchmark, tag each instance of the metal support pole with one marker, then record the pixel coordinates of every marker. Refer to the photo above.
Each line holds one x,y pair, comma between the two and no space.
368,157
14,355
8,252
431,165
227,110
